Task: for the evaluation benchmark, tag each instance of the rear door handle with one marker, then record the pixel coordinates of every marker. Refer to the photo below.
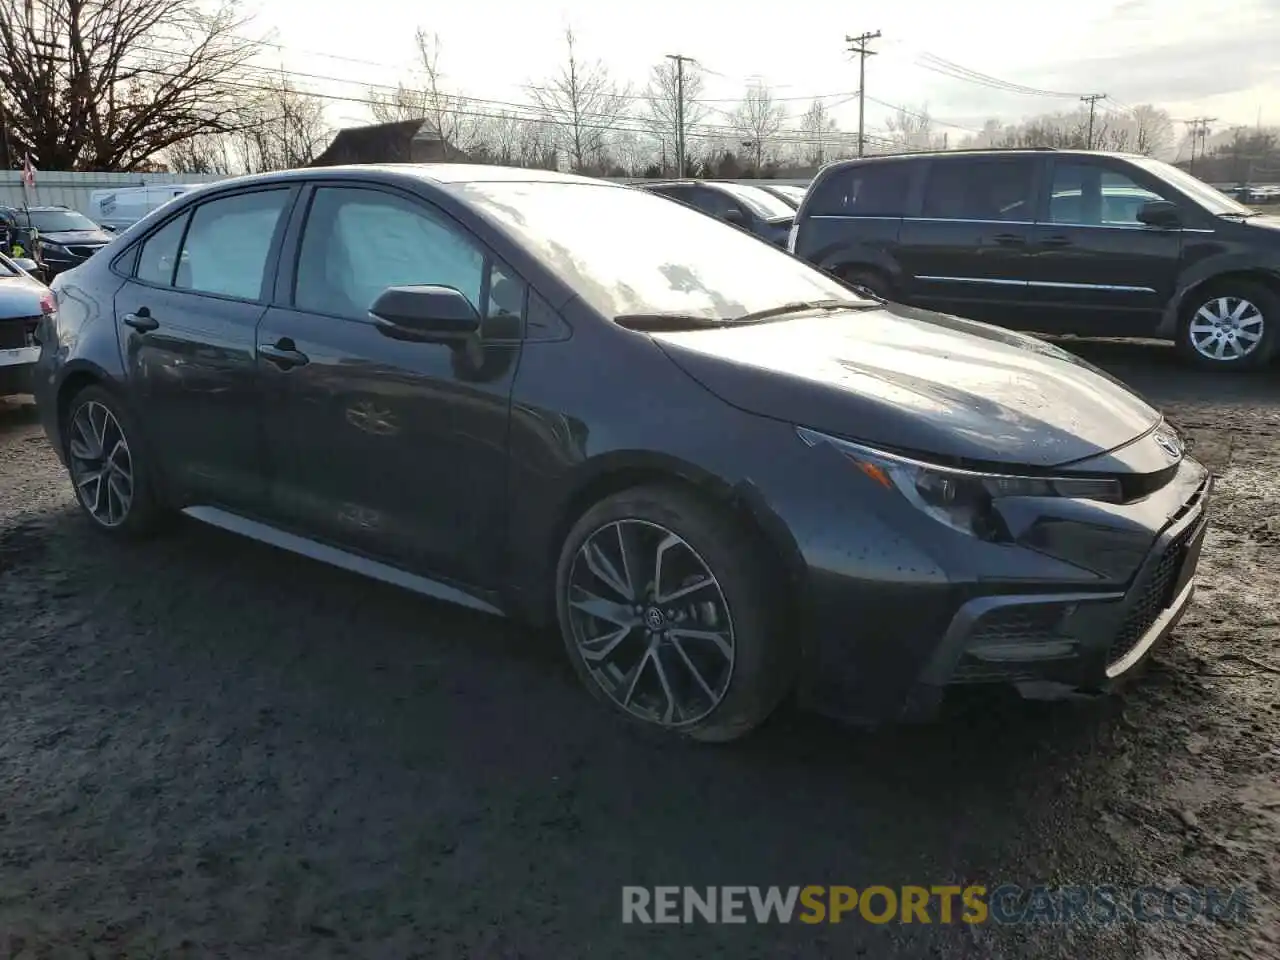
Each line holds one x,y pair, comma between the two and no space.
283,354
1010,239
1056,242
142,321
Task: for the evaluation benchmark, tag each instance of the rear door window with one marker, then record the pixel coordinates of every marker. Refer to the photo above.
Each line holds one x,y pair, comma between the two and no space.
160,253
877,189
229,243
980,188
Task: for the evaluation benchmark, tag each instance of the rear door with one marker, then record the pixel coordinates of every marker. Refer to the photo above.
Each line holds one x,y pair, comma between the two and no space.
1094,267
967,250
853,215
187,320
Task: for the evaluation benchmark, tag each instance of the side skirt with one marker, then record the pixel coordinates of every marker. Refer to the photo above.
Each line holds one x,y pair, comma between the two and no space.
264,533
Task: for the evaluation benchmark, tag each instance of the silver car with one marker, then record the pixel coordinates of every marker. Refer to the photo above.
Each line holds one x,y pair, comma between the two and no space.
23,301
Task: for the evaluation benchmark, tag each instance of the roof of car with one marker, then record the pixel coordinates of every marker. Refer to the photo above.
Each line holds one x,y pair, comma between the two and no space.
975,151
442,173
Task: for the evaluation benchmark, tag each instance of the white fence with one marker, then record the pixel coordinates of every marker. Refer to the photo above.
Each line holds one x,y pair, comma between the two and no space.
57,188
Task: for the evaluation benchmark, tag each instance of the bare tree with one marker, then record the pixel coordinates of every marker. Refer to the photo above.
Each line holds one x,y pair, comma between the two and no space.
205,153
281,127
449,114
583,102
663,102
818,126
759,118
105,84
913,129
1153,130
536,144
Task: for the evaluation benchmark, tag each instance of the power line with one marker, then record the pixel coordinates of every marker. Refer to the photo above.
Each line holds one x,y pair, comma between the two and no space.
859,46
948,68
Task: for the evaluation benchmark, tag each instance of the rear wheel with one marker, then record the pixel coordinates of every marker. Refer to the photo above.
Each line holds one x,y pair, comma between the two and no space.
108,466
664,606
1230,325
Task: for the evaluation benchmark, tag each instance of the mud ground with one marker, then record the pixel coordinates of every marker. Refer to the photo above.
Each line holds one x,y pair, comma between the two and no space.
211,748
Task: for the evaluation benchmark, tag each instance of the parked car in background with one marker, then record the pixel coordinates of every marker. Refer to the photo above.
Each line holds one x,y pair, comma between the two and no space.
749,207
66,238
722,474
788,193
1055,241
23,301
122,207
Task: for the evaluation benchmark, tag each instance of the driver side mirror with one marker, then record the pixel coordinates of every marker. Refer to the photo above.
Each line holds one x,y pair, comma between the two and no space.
27,264
1159,213
425,312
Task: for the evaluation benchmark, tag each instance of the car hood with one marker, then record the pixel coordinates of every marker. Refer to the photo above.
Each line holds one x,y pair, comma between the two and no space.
911,380
20,297
76,236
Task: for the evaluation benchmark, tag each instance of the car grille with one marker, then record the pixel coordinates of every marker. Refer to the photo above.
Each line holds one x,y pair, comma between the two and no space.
1155,598
84,250
1013,625
19,332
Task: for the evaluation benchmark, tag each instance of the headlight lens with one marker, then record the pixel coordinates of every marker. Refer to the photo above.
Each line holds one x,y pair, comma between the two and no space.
961,499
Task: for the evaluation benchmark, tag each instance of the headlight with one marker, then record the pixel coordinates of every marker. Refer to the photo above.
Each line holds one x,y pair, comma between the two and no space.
50,246
961,499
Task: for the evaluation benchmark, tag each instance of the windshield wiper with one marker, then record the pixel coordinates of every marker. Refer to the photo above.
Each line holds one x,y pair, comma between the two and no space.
799,306
661,322
1241,214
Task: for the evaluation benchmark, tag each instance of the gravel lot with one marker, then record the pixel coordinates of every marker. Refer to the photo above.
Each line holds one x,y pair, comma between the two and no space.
208,747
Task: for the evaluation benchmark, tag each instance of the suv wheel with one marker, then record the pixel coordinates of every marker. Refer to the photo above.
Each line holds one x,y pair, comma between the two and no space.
108,466
664,606
1230,325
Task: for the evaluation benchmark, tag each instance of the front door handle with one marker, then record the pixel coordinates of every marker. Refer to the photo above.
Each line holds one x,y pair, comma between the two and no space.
283,354
142,321
1010,239
1056,242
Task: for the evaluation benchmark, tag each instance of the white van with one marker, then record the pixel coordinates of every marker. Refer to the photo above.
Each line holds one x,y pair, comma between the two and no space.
119,209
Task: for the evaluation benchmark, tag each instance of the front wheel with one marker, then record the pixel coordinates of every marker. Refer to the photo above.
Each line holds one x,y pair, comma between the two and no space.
1232,325
668,614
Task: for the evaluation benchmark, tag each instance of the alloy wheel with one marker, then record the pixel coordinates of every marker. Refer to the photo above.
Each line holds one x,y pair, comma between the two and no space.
1226,329
101,465
651,623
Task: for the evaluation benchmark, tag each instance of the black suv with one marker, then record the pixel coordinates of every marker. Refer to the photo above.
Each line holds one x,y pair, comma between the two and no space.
747,206
66,237
1054,241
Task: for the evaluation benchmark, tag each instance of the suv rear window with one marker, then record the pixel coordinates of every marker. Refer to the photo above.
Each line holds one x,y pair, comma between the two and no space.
877,189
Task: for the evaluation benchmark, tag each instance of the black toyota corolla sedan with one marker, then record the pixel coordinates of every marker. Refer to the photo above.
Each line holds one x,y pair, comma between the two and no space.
720,473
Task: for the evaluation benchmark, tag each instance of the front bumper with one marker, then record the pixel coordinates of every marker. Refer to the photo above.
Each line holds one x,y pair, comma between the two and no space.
16,367
1054,644
1078,611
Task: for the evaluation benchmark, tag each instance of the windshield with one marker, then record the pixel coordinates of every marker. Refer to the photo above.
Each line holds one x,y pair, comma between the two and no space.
1215,201
56,221
761,202
629,252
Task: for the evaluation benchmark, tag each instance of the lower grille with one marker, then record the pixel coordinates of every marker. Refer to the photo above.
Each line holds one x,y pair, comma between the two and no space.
19,332
1155,598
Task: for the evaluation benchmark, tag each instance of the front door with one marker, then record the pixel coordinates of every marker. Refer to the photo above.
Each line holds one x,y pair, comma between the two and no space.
393,449
187,320
1095,269
966,252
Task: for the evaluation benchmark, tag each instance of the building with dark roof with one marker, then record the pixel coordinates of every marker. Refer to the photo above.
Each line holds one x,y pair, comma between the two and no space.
404,141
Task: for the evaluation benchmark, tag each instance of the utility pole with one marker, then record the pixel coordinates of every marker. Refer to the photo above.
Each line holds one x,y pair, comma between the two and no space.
858,45
680,60
1092,99
1199,127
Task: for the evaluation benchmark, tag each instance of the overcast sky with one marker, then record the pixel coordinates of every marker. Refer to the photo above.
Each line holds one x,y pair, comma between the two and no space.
1194,59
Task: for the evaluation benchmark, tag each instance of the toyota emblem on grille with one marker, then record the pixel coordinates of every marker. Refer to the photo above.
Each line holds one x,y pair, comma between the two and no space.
1169,443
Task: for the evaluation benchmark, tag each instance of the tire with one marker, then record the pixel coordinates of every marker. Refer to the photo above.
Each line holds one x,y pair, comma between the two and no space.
103,505
872,281
1219,303
701,540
